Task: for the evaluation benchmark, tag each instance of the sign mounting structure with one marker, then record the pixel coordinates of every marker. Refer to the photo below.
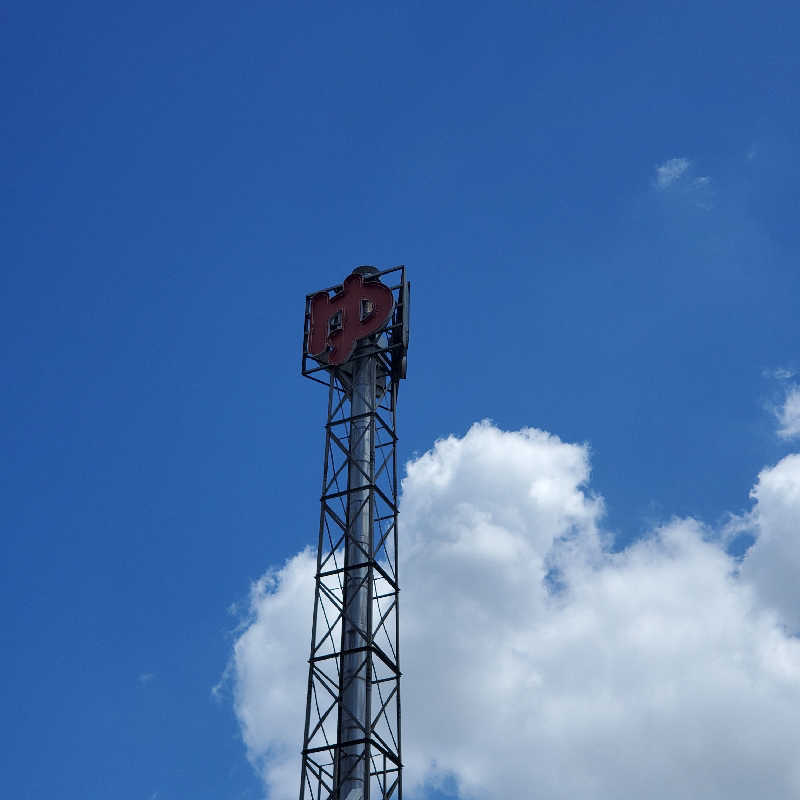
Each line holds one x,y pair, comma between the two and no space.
355,343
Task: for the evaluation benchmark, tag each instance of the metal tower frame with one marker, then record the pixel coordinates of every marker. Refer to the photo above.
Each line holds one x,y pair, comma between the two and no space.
351,743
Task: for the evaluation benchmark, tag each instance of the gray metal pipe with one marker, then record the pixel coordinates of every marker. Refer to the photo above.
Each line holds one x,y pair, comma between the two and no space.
356,589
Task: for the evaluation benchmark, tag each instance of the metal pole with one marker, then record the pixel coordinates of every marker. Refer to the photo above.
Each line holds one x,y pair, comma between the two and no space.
353,759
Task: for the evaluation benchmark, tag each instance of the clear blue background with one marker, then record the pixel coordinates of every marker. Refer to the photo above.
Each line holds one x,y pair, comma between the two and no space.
176,177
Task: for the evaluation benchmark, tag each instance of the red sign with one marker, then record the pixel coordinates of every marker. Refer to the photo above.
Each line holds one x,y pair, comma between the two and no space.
338,322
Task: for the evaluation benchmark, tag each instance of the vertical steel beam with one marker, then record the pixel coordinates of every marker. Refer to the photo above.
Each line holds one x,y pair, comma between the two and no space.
357,622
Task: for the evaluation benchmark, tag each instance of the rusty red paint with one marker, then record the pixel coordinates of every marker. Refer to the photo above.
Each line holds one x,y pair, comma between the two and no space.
336,346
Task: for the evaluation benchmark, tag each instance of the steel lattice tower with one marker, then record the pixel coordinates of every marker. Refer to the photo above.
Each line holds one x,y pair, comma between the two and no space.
355,343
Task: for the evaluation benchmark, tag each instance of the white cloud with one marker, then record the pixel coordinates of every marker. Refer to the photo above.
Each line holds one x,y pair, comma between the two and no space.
657,671
670,171
675,175
270,673
773,563
779,373
789,414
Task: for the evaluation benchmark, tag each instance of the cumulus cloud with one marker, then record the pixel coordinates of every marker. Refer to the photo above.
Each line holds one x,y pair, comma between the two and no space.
535,658
773,563
670,171
270,673
789,414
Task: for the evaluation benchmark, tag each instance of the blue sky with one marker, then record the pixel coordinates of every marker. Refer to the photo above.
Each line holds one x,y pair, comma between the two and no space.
178,177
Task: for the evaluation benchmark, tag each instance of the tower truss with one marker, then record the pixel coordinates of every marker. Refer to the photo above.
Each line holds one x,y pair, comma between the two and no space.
351,743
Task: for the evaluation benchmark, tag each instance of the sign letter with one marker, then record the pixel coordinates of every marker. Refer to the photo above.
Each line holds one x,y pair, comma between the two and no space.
338,322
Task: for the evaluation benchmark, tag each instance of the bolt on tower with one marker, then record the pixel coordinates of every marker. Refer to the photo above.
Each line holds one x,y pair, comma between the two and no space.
355,343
